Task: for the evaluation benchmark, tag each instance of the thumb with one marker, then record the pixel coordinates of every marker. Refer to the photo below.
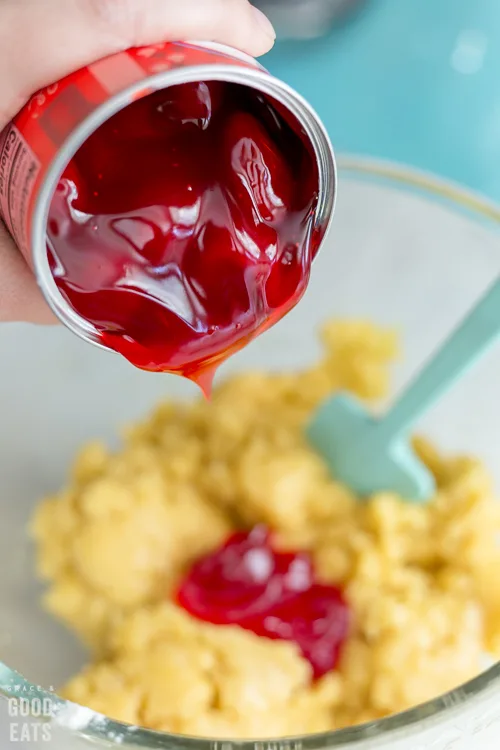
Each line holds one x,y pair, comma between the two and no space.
41,41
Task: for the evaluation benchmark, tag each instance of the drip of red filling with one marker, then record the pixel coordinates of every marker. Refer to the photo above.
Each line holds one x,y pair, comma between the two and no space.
274,594
184,226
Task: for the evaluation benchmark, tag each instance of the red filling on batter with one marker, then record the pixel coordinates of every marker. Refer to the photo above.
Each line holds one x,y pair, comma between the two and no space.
274,594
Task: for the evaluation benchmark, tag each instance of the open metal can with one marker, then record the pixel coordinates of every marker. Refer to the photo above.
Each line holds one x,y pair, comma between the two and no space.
38,144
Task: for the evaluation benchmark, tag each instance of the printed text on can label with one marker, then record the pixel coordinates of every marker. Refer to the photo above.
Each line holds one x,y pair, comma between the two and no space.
19,169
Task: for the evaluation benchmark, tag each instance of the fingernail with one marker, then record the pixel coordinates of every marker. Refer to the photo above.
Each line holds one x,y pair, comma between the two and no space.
264,23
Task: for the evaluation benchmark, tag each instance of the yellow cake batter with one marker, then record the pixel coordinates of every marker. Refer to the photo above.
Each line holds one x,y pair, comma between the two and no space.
420,580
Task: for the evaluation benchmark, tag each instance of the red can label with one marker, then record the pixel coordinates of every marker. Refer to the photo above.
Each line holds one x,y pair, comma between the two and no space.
19,169
30,142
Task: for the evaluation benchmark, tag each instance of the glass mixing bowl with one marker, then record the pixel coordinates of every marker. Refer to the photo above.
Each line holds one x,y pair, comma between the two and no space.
404,250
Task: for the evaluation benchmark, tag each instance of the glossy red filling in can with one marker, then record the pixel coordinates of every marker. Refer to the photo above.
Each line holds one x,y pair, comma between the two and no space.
185,225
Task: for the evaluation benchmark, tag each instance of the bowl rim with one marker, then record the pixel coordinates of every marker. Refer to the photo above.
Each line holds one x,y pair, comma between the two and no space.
83,722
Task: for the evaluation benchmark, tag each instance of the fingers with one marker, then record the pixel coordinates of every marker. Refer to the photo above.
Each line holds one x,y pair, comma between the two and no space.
43,40
233,22
20,297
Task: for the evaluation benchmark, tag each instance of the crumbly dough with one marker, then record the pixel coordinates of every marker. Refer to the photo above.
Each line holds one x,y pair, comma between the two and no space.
168,671
420,579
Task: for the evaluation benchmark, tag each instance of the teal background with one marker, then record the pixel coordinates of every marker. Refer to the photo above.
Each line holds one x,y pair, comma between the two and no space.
415,81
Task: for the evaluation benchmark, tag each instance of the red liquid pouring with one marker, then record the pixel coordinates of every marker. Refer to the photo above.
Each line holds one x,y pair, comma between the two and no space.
273,594
184,226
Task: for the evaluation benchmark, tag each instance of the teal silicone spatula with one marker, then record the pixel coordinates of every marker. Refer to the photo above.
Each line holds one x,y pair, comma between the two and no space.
373,455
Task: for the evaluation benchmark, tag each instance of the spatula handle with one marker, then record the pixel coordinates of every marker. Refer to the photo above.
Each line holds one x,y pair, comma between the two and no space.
461,350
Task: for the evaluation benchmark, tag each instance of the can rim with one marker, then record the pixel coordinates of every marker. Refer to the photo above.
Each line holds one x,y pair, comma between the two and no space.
257,78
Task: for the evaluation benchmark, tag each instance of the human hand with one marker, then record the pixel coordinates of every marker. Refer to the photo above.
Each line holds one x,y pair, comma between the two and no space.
41,41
